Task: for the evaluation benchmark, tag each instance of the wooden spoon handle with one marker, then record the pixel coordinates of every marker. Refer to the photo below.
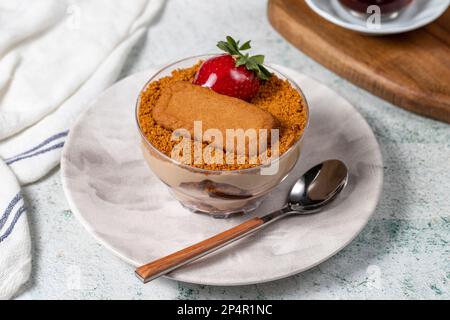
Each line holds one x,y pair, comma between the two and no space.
168,263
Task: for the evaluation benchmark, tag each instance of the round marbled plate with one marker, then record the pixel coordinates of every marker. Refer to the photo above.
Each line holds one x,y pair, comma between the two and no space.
125,207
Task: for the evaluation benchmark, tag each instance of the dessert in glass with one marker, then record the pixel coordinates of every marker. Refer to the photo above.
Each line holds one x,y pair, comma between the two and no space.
173,97
389,9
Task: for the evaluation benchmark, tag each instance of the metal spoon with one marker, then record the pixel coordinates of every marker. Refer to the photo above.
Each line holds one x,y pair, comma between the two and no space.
315,189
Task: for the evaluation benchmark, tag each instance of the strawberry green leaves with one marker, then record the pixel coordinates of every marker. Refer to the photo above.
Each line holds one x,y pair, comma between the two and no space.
253,63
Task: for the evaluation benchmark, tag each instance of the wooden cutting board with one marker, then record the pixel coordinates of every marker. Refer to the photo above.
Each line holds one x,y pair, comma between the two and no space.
411,70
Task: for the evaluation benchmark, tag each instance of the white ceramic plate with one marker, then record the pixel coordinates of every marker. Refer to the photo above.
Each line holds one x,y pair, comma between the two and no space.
127,209
417,15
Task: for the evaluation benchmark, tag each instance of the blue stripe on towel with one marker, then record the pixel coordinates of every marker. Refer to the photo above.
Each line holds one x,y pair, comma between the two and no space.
42,144
56,146
9,208
8,231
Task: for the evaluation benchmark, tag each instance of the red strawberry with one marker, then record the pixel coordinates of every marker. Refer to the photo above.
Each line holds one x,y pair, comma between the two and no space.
233,74
221,74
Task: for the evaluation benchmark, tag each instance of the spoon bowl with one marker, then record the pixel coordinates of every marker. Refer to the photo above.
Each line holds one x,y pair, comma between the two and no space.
317,187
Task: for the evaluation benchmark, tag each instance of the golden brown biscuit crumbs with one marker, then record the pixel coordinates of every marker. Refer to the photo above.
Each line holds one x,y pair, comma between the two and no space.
275,95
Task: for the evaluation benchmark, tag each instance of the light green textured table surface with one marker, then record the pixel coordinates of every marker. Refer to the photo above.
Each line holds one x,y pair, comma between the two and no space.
404,252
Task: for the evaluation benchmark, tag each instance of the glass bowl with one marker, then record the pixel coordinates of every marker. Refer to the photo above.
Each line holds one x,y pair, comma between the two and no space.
219,193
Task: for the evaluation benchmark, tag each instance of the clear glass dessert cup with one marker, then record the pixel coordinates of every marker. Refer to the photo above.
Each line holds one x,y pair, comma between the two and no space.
219,193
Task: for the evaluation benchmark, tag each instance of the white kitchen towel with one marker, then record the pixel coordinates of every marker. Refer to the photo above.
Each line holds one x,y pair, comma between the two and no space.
55,57
15,259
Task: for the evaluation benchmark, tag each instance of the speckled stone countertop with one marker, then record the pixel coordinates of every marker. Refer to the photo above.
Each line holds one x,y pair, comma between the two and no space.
403,253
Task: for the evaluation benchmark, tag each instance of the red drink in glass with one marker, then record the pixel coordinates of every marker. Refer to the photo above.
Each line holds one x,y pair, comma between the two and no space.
387,7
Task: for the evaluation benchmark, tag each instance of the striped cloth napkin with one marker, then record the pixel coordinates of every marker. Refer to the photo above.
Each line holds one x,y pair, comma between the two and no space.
55,57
